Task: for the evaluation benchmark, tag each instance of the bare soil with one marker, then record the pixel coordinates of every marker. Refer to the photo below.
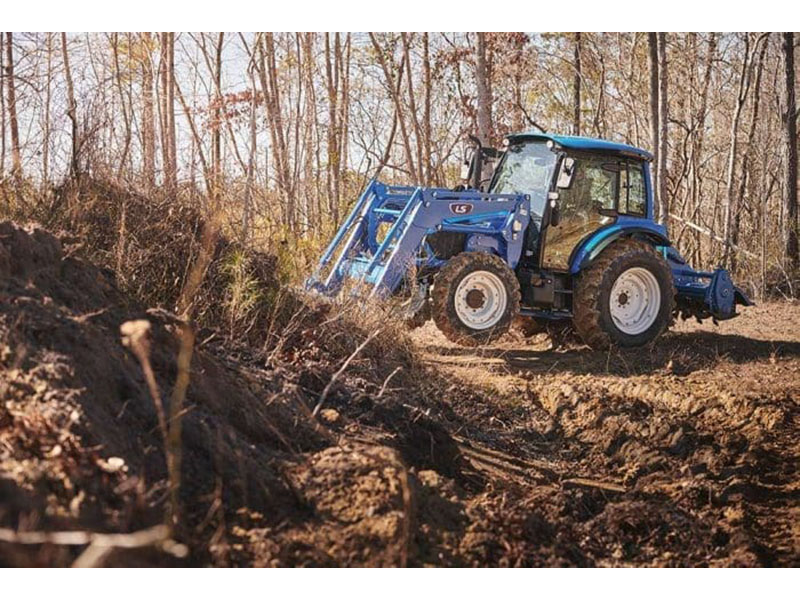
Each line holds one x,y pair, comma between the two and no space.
423,453
682,453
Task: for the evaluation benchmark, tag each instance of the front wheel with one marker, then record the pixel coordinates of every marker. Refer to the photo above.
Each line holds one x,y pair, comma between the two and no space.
475,298
626,297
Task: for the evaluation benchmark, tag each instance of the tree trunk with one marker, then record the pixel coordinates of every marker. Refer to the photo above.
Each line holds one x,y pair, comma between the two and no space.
2,109
161,95
652,42
483,85
16,159
746,183
663,120
148,129
412,108
576,86
216,131
268,72
125,115
344,115
251,160
309,123
46,125
173,142
167,108
72,112
790,143
426,113
733,148
333,159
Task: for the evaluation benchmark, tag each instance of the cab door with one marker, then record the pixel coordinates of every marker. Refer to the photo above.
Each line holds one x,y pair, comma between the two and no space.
589,203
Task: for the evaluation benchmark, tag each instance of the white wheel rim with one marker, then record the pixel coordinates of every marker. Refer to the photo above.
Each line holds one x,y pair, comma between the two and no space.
480,300
635,301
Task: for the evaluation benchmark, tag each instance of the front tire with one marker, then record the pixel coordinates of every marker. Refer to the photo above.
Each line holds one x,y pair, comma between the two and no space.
475,298
625,298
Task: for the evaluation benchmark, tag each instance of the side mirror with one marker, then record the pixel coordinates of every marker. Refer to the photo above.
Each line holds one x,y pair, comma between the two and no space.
566,173
555,210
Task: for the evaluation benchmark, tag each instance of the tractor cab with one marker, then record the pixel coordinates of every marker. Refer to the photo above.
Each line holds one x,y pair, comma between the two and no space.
576,186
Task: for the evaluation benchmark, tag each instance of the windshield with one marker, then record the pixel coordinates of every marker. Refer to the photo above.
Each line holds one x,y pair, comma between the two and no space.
527,168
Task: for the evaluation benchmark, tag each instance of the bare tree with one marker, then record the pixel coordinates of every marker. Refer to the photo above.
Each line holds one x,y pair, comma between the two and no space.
663,130
426,112
72,111
148,129
483,87
652,44
394,92
46,128
167,110
790,144
268,74
2,108
126,116
216,126
746,181
16,156
745,78
576,86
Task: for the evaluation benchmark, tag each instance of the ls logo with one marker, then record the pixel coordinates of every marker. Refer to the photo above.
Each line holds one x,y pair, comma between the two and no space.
460,208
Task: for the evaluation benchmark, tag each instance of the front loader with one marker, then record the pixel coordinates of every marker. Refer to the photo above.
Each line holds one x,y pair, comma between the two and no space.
550,228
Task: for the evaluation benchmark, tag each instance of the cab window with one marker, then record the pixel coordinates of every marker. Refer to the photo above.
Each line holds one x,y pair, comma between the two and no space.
594,188
632,196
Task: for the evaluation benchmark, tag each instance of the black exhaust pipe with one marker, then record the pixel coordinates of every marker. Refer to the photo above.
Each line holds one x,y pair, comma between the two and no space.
477,162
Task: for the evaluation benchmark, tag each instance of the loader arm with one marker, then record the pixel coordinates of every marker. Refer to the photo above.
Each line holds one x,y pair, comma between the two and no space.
383,237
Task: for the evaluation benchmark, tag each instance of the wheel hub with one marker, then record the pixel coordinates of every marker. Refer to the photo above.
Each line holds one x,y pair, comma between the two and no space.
480,300
635,301
475,299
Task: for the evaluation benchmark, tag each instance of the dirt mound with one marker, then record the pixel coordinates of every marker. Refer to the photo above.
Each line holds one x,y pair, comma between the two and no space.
149,242
80,446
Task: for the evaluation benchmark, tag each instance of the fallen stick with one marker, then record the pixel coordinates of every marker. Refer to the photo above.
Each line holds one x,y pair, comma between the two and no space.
709,233
342,370
99,544
591,483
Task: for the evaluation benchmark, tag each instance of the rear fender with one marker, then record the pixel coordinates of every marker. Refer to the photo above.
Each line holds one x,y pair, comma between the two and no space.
589,249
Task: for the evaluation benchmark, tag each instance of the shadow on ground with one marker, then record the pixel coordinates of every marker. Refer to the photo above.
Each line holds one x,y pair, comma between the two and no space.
677,353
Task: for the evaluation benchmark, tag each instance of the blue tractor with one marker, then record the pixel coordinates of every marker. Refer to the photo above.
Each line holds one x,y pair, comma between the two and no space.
549,228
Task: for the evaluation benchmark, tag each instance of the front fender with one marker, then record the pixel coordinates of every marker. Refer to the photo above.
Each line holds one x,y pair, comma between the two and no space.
592,246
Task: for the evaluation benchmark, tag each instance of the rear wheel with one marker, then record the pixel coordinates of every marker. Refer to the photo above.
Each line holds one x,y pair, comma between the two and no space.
626,297
475,298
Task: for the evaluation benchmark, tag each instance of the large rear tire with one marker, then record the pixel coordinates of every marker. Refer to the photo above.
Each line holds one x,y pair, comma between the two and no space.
625,298
475,298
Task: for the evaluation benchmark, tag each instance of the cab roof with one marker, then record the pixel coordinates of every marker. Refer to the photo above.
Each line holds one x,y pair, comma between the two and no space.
587,144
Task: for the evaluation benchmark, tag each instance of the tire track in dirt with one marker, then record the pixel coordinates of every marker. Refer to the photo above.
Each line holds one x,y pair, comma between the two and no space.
686,452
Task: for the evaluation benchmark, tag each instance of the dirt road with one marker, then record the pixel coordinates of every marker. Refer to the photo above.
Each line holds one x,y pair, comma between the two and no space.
685,453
